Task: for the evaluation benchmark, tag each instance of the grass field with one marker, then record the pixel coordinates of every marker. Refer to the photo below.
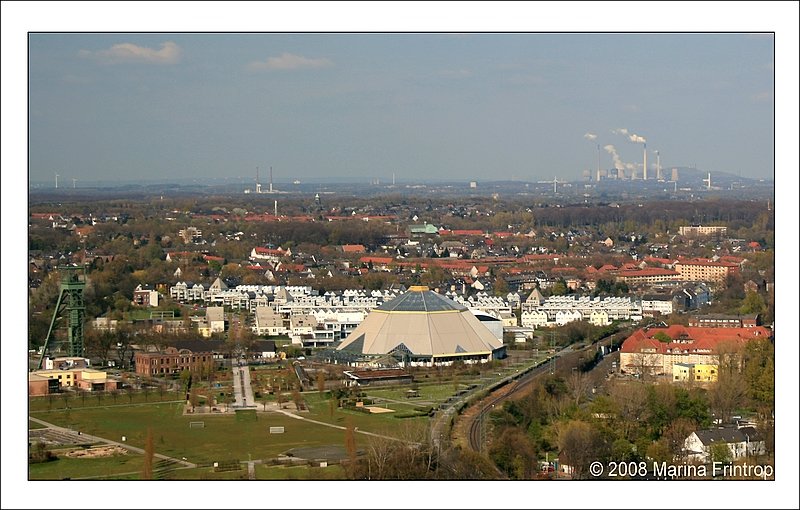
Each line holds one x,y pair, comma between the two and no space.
228,437
98,468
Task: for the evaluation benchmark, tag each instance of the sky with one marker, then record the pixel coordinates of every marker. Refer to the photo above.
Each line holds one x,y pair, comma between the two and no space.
121,91
463,106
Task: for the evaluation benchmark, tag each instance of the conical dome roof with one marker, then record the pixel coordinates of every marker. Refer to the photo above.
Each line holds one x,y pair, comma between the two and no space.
421,323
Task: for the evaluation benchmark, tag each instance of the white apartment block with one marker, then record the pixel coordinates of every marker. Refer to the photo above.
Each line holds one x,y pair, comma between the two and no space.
616,308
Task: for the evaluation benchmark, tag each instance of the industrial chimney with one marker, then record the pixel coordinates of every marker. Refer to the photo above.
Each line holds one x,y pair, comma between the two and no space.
644,168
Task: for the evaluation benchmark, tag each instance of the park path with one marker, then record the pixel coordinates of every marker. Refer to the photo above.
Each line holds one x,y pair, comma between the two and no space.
242,389
96,439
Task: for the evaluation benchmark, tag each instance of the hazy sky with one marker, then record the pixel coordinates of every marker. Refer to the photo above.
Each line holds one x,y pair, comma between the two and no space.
422,105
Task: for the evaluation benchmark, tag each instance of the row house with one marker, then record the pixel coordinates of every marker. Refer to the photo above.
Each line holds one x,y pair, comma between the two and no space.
617,308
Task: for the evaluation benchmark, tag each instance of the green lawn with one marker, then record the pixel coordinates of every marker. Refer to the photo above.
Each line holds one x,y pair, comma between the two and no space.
99,468
265,472
222,438
33,425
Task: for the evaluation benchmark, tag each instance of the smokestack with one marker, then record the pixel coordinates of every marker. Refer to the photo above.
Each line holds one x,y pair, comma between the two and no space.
276,208
675,174
598,162
258,184
659,177
56,181
270,183
644,173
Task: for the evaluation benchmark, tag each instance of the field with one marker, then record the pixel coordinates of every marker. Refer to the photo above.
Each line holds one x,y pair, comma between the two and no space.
229,437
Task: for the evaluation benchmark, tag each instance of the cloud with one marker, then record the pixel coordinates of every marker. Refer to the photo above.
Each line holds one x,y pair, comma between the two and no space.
590,136
620,131
170,53
288,62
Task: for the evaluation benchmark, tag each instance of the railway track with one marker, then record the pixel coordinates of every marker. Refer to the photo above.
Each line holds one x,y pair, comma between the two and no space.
476,426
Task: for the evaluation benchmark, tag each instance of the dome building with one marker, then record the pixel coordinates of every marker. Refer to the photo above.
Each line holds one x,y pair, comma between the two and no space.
423,328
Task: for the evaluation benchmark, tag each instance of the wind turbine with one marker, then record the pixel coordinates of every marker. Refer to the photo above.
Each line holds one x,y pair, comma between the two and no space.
708,181
555,182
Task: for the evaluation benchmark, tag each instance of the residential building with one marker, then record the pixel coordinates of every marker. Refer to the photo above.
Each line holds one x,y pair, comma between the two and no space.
719,320
694,372
741,442
699,230
174,360
645,352
705,270
143,295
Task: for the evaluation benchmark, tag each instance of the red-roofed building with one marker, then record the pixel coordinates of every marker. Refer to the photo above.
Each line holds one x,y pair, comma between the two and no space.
656,261
648,275
380,263
269,254
642,352
353,248
704,270
463,232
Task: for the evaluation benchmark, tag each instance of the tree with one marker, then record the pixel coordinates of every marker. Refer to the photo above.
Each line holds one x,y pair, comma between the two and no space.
663,337
321,381
759,373
350,447
753,303
727,394
720,452
297,398
675,435
579,444
578,384
513,453
149,453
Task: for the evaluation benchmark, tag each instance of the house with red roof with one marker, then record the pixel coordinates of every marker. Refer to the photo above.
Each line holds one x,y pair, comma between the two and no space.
353,248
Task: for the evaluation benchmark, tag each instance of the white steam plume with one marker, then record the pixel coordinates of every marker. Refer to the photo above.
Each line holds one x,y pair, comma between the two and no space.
620,131
618,164
590,136
636,138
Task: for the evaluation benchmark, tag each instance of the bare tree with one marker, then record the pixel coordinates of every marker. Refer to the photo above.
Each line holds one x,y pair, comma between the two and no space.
580,444
578,384
630,400
675,435
149,453
727,394
321,380
645,364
